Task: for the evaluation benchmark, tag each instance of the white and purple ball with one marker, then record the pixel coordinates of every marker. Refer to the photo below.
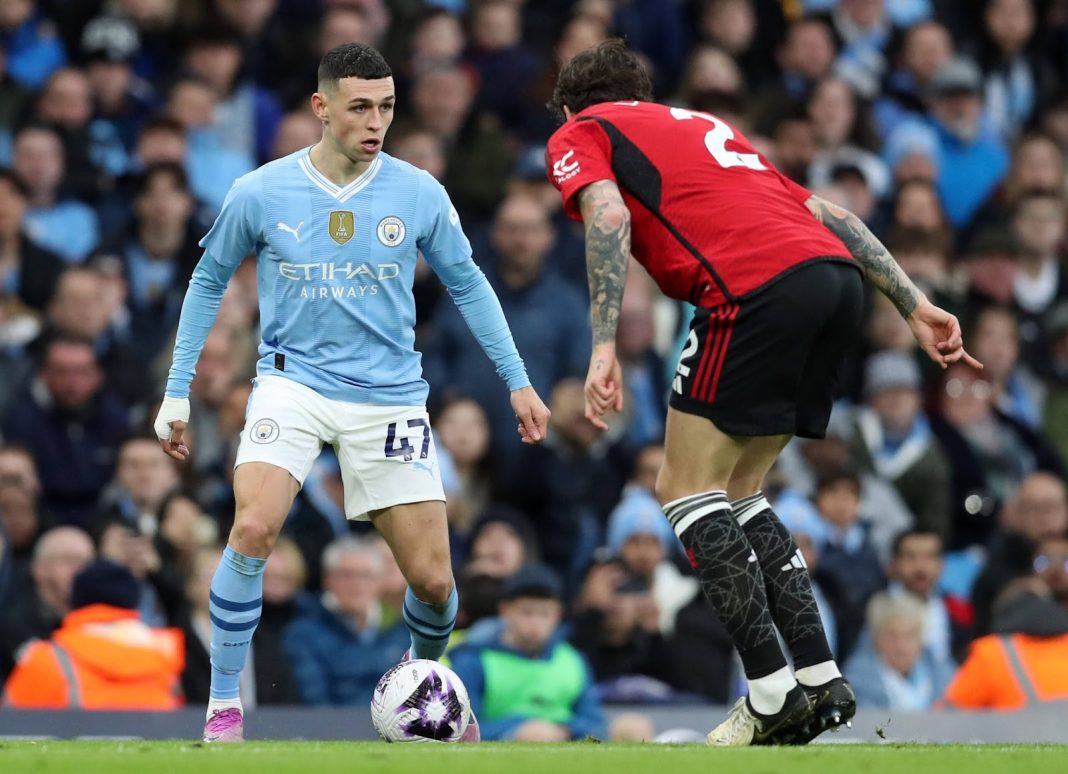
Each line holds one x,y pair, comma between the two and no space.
420,701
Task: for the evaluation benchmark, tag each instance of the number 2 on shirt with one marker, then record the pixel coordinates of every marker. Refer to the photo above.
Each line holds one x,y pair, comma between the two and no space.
716,141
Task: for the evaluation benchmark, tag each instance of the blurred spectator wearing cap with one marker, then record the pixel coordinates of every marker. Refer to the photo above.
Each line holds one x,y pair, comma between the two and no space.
893,439
1037,510
102,657
247,115
1022,663
911,153
57,557
1018,81
860,173
973,157
72,427
848,562
33,47
500,542
890,668
547,316
528,684
990,453
925,48
120,98
341,645
915,570
1018,393
67,227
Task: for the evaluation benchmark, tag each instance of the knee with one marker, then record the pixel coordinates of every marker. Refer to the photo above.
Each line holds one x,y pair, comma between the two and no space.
431,587
669,488
253,534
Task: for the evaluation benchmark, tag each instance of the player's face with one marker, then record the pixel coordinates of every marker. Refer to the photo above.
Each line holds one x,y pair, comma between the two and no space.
356,114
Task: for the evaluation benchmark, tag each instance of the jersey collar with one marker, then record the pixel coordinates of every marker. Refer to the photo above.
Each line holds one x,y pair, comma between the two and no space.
341,193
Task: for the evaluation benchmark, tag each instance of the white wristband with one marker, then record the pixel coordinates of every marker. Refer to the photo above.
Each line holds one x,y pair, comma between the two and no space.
170,410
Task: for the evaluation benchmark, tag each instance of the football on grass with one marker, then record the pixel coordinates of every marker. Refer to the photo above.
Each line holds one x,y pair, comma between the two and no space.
420,701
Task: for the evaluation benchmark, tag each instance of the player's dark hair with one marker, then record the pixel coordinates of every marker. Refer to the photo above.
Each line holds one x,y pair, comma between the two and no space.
608,73
899,540
160,168
352,60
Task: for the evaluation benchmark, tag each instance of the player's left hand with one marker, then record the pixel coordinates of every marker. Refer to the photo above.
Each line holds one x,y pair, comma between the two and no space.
532,414
938,333
604,385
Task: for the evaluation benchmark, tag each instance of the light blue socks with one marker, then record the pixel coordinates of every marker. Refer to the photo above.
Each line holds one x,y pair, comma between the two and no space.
430,625
236,601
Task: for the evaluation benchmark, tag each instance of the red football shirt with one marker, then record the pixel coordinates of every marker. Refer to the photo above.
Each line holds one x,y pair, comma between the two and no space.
711,219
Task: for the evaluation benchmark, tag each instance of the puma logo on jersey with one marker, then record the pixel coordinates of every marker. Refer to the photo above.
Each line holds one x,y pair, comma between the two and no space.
294,231
797,562
565,168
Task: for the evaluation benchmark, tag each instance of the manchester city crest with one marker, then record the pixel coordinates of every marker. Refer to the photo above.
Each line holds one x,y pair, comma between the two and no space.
263,431
342,226
391,231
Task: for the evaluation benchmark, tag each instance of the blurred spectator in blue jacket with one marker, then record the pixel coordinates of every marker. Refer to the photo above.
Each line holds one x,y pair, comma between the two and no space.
339,648
528,684
34,49
67,227
71,426
890,669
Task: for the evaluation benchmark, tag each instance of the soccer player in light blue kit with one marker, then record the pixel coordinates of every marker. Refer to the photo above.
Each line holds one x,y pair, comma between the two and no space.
336,230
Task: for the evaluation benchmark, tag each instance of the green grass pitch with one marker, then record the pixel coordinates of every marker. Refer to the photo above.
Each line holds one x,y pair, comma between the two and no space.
89,757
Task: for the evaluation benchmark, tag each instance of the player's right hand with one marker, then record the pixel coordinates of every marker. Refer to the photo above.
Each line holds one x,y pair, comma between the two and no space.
938,333
604,385
170,425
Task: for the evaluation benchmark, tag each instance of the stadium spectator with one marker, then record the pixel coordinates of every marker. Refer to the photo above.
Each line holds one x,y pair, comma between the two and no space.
805,57
926,47
438,39
506,68
915,570
182,530
267,677
339,648
890,669
1022,663
1037,510
848,561
1018,394
529,685
1051,566
500,543
102,657
33,50
121,100
893,439
285,580
72,428
58,556
990,453
547,316
463,435
974,159
27,271
65,226
297,130
644,369
1039,224
1055,371
142,480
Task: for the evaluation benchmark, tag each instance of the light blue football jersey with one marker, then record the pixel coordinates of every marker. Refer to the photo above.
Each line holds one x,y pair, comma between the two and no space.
335,267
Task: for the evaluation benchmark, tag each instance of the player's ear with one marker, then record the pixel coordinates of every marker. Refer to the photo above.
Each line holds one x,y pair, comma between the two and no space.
318,104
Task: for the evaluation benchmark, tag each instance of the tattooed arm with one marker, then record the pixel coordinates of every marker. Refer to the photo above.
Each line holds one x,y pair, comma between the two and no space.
936,330
879,266
607,222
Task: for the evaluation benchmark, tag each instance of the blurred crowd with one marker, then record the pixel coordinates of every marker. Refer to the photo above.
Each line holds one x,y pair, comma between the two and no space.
933,518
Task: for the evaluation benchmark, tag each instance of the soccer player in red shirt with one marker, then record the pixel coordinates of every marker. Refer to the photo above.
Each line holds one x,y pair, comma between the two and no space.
775,274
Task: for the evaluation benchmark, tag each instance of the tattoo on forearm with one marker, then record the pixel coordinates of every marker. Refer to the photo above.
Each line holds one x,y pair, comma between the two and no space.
879,266
607,254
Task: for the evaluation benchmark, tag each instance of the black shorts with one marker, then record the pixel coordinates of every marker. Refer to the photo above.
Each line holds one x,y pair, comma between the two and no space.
768,364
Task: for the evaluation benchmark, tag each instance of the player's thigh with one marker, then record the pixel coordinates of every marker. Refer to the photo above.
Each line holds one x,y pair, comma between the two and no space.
698,456
418,535
837,338
753,465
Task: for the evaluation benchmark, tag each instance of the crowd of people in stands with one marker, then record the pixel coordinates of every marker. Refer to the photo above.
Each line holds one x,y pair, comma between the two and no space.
933,518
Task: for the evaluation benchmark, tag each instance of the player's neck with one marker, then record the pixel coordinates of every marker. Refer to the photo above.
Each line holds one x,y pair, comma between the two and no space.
336,167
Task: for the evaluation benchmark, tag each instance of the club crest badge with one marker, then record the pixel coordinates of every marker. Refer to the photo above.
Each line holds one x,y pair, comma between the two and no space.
342,226
391,231
264,431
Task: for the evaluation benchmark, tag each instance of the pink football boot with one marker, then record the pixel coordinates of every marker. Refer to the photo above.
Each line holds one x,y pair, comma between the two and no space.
225,726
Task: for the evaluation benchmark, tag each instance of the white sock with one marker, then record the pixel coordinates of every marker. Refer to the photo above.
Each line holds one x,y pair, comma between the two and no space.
214,705
818,674
768,694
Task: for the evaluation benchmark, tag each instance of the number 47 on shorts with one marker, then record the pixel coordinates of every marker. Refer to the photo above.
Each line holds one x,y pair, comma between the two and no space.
399,447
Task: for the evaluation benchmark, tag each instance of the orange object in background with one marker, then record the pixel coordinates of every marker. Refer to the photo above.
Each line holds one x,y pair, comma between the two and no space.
1011,672
101,658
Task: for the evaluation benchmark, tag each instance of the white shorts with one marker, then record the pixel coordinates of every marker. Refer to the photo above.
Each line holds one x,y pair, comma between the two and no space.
386,453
